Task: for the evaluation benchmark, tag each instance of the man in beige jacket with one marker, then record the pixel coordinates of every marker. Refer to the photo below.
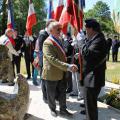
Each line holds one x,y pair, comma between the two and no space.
54,67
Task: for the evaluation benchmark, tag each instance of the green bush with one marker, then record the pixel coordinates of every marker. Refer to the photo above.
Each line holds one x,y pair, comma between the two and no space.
115,80
112,99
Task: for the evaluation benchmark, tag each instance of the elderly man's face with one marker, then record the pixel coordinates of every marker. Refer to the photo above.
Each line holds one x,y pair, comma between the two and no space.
56,31
10,33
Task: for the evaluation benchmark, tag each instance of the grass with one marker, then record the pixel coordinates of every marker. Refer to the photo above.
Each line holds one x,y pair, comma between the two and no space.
23,67
112,71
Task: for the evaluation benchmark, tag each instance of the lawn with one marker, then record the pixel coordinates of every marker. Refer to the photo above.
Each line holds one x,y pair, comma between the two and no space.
23,67
112,71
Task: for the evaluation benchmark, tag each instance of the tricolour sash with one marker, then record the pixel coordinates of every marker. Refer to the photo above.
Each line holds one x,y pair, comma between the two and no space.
57,45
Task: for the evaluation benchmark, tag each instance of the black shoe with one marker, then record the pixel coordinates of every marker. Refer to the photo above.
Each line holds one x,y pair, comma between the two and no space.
4,81
73,94
83,112
68,90
79,98
82,105
11,84
45,101
28,78
54,113
65,113
35,83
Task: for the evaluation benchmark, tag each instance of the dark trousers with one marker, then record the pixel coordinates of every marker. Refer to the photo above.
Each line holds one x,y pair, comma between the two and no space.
114,56
90,97
16,62
69,82
60,87
108,56
44,91
28,62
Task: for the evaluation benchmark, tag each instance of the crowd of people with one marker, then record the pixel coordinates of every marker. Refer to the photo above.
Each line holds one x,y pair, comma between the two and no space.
59,60
113,45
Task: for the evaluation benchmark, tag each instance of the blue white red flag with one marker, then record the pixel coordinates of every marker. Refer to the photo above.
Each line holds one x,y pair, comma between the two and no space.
10,20
50,10
31,18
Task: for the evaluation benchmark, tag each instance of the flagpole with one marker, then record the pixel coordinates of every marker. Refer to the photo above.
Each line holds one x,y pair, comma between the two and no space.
12,17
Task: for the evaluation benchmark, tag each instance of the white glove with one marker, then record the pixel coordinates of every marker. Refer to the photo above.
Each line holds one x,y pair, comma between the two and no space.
80,36
11,49
76,55
19,51
31,38
72,68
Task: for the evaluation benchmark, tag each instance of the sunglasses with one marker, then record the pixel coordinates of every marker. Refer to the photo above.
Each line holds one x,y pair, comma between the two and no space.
59,29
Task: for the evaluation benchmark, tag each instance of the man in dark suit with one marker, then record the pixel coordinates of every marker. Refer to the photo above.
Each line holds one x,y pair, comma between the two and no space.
93,51
17,59
115,47
29,45
109,44
42,37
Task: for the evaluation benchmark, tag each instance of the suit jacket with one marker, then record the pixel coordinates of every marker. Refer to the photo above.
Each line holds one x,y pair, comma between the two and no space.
53,62
42,37
94,63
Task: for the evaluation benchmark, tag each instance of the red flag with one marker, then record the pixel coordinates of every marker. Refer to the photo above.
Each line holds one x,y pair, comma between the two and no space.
75,11
58,10
31,18
65,17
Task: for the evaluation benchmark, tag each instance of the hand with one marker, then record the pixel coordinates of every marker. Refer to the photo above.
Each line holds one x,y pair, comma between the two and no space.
19,51
80,36
73,68
17,54
76,56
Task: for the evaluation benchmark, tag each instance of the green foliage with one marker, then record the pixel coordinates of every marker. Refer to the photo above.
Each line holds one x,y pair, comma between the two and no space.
113,98
101,12
113,70
115,80
20,14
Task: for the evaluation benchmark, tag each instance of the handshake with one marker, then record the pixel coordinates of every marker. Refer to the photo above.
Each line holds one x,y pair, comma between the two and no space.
73,68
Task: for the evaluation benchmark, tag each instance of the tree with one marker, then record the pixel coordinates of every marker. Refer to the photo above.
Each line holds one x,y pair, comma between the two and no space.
21,11
101,12
3,17
20,15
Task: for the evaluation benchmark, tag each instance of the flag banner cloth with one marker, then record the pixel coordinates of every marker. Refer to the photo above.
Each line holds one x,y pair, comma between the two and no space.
58,10
31,18
50,10
116,15
73,13
10,20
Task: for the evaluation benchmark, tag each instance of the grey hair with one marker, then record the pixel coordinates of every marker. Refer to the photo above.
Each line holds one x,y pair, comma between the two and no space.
8,30
52,25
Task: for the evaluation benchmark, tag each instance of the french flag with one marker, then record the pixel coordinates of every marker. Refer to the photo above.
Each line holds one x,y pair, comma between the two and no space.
50,10
31,18
65,17
10,20
58,10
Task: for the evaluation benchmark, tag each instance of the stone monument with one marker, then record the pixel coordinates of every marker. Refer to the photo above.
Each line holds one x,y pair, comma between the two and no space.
14,106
